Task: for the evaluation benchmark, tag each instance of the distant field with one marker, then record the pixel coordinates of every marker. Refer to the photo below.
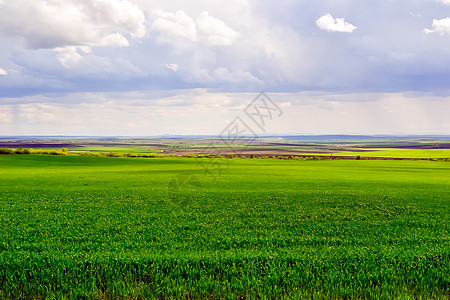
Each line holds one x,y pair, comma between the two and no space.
121,149
102,227
401,153
400,148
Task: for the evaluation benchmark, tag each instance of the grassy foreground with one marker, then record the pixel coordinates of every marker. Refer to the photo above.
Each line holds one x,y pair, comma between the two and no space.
102,227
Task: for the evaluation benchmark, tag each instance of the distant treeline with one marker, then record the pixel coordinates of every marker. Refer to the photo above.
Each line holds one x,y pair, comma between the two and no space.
62,151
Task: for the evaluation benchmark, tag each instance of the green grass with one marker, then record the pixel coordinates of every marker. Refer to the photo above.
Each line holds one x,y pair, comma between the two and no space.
400,153
101,227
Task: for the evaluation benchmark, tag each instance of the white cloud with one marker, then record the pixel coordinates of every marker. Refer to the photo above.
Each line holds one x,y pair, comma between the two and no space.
6,114
224,75
206,27
173,67
447,2
441,26
177,24
69,56
54,24
37,113
215,30
3,72
328,23
103,68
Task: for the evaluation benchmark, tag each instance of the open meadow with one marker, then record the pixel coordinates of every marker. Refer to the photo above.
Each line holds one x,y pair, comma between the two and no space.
104,227
229,150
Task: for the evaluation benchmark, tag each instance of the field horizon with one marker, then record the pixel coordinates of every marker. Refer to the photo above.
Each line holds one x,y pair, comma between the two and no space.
225,150
330,147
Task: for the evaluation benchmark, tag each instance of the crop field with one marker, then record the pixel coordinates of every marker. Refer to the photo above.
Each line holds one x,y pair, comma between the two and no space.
123,149
401,153
379,148
109,228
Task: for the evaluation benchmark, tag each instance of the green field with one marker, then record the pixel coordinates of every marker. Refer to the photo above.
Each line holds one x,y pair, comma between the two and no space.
100,227
116,149
401,153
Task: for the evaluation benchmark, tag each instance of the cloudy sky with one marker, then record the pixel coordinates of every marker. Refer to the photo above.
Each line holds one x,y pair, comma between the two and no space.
142,68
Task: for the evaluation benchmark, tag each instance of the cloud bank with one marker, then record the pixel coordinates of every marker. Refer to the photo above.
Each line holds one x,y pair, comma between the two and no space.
82,46
54,51
55,24
170,25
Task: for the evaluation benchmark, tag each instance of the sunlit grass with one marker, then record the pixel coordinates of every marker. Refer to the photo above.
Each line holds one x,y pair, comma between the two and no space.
400,153
109,227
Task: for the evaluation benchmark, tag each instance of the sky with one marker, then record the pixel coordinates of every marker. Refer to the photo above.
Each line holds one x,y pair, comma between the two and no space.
145,68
